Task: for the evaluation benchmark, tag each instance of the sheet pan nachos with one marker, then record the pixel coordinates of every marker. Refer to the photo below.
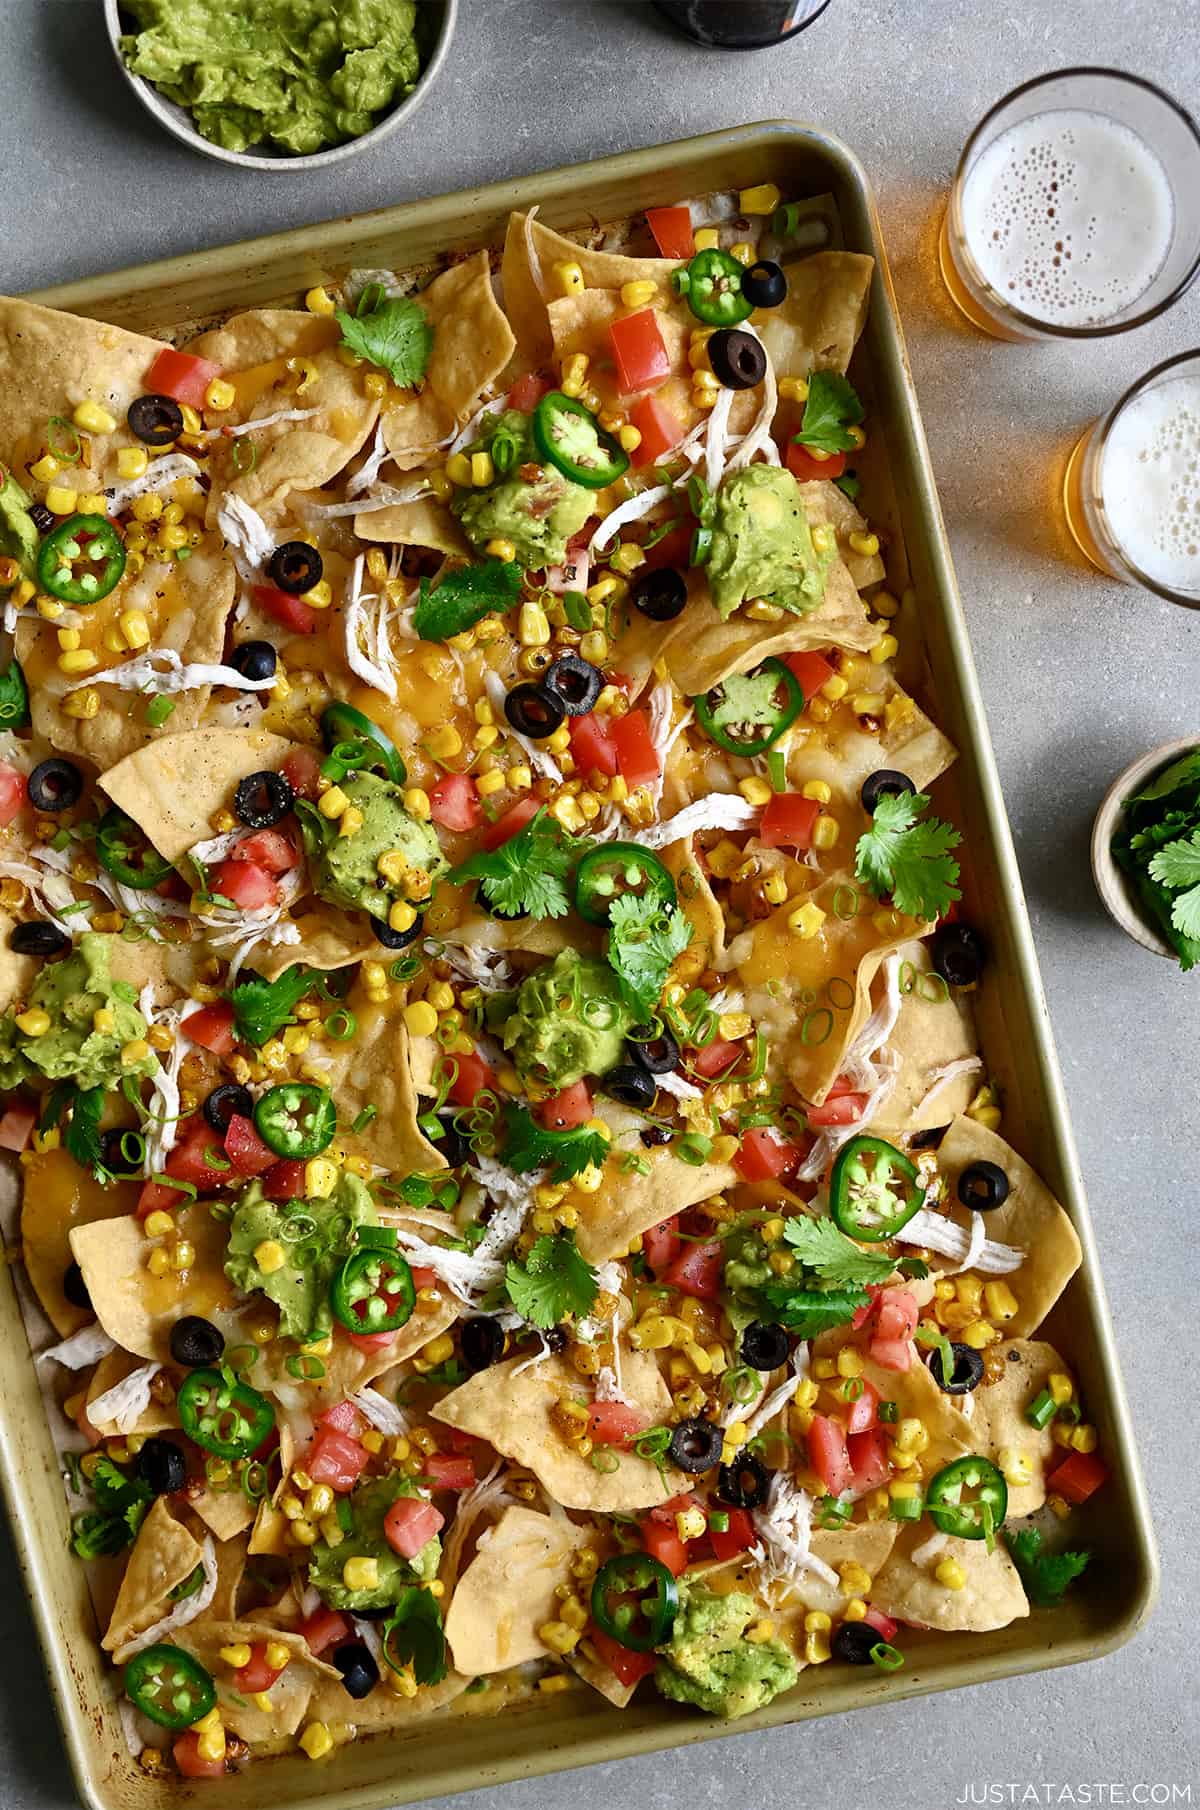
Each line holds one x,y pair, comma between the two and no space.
505,1157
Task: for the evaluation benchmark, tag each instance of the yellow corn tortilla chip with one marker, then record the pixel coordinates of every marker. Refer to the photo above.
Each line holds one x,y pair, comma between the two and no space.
601,1678
384,1708
17,972
231,1565
697,901
164,1556
138,1310
992,1596
226,1513
529,936
935,1028
1030,1219
526,304
56,1194
425,523
289,1694
329,939
996,1421
269,1534
865,1543
824,502
373,1069
173,788
186,606
253,350
580,324
506,1593
817,325
156,1417
472,344
843,755
629,1204
509,1406
916,1395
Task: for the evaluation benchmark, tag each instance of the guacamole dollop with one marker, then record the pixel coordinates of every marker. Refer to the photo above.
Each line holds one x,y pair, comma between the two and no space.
569,1019
709,1662
71,992
301,74
316,1236
19,539
762,545
538,516
365,1539
347,870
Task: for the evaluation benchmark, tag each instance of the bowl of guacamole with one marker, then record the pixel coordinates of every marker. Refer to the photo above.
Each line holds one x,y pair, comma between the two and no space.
280,84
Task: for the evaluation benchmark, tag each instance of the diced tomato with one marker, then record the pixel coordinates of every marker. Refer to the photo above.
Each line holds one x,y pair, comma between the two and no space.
474,1076
506,827
258,1675
212,1027
637,757
715,1057
805,465
626,1665
811,672
1078,1476
181,375
838,1109
292,613
186,1750
660,430
343,1417
337,1460
199,1157
891,1354
863,1409
155,1197
665,1545
269,849
639,351
565,1110
868,1453
674,1505
245,882
17,1126
613,1423
447,1472
370,1342
672,229
528,391
302,770
245,1149
454,802
325,1627
828,1455
423,1277
284,1180
787,821
14,792
411,1523
739,1536
697,1271
660,1245
886,1628
764,1155
896,1313
592,745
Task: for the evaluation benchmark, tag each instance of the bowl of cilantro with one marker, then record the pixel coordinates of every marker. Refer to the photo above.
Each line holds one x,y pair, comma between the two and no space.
1146,851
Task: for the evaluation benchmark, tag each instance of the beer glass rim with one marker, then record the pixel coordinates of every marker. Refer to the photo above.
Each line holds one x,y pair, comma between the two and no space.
1051,329
1104,429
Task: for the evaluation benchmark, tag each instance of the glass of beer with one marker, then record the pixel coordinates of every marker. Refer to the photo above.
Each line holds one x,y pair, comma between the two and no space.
1132,484
1075,209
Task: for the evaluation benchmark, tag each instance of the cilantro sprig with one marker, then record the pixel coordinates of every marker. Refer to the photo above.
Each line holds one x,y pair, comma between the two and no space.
552,1282
1177,867
644,937
1045,1575
413,1635
809,1311
820,1247
831,409
527,874
396,335
114,1523
463,596
529,1146
909,859
262,1007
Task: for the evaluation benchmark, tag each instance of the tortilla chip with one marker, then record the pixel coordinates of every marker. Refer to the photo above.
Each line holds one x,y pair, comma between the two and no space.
704,650
580,323
164,1556
916,1395
56,1194
329,939
50,362
506,1593
373,1069
509,1406
524,301
817,325
269,1534
226,1513
601,1677
1031,1219
628,1204
697,901
231,1566
843,755
824,502
138,1310
253,350
935,1028
186,606
997,1424
992,1596
531,936
865,1543
155,1417
472,344
384,1708
17,972
424,523
289,1694
174,788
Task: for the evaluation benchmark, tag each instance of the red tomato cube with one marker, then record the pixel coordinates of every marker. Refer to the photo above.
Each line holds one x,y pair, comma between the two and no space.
637,757
13,793
182,376
672,229
592,745
566,1109
506,827
454,802
811,672
660,430
828,1454
613,1423
292,613
337,1460
640,354
787,821
411,1523
697,1271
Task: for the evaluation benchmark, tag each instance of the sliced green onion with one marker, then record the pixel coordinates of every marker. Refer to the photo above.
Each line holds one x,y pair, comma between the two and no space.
341,1025
777,769
742,1383
169,1181
846,901
70,450
816,1027
255,1481
242,1358
606,1460
852,1388
305,1367
888,1412
406,967
905,1508
159,710
842,1004
886,1657
1071,1412
245,454
718,1521
1041,1410
217,1159
364,1119
694,1148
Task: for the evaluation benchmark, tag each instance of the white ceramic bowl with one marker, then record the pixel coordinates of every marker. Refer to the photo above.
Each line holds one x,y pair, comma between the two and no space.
1112,883
436,24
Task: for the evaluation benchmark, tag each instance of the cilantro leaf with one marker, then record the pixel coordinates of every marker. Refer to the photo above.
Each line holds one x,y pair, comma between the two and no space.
1045,1575
1176,866
82,1134
1183,772
463,596
530,1146
821,1247
810,1311
831,408
908,859
396,336
413,1635
526,874
850,484
644,937
262,1007
121,1505
553,1281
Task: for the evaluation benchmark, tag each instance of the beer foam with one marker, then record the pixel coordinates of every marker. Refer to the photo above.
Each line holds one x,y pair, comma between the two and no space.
1150,482
1069,216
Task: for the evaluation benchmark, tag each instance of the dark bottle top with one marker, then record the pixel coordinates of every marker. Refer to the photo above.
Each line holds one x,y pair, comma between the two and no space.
741,24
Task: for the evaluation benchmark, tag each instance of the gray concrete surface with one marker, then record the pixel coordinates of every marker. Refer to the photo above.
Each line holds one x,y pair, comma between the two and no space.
1079,675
